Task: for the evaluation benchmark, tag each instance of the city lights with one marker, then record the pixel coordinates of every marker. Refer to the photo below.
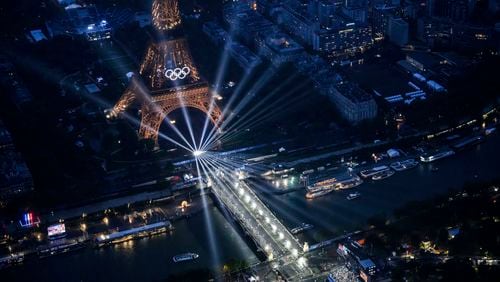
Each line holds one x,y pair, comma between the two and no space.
295,115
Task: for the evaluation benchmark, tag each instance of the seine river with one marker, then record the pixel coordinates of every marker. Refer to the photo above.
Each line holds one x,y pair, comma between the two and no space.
151,259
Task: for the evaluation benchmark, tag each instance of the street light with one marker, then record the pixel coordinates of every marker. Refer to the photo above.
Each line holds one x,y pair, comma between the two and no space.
302,261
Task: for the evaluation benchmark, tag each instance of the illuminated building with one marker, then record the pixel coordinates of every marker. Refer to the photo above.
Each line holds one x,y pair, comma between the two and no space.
343,38
295,20
88,22
280,48
380,16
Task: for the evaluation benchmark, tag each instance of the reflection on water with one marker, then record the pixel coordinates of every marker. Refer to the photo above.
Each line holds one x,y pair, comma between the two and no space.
151,258
333,214
142,260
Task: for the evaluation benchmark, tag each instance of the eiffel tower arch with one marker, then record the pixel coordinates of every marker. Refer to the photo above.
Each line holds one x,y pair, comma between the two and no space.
168,79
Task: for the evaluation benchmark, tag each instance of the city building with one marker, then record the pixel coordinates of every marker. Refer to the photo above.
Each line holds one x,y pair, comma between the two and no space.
355,256
83,21
455,10
398,30
246,23
279,48
12,84
423,61
356,13
381,14
215,32
243,56
295,20
326,10
345,37
353,103
92,23
15,177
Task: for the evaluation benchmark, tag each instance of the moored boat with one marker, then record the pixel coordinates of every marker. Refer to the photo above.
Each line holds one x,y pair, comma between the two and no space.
383,174
427,158
318,193
404,165
185,257
374,170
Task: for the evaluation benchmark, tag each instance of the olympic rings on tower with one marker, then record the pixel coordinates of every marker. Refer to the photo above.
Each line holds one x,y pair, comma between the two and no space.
177,73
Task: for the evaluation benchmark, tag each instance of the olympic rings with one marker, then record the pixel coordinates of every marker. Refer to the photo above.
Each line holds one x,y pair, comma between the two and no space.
177,73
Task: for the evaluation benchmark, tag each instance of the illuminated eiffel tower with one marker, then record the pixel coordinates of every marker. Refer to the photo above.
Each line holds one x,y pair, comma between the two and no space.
168,77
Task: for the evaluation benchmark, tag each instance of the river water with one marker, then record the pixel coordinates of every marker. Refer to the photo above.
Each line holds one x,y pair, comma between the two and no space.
151,259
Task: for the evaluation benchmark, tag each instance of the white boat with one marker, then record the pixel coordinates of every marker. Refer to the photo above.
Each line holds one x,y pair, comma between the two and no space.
370,172
383,174
318,193
404,165
427,158
349,183
353,196
185,257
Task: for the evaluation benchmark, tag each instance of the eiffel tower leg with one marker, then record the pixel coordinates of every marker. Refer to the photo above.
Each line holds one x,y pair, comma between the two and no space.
150,125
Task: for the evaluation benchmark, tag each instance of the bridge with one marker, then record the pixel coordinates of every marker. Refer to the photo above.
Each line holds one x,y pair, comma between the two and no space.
262,226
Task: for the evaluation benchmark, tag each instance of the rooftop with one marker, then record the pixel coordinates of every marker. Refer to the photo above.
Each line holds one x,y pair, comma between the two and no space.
353,92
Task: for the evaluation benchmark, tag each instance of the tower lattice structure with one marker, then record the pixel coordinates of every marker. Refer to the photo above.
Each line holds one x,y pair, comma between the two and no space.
168,78
165,14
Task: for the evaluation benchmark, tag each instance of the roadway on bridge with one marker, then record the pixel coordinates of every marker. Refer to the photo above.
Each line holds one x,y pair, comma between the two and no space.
267,231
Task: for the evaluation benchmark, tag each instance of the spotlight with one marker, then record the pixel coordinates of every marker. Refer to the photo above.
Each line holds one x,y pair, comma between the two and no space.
198,153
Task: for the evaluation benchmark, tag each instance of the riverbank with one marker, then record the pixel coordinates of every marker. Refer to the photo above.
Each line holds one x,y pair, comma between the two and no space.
151,258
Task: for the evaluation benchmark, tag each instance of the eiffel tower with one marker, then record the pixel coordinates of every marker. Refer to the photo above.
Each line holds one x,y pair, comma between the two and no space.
168,77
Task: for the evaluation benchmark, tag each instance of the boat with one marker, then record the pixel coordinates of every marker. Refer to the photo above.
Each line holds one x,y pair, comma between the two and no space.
323,184
383,174
318,193
404,165
468,142
353,196
133,233
185,257
60,249
301,228
490,130
370,172
427,158
350,183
